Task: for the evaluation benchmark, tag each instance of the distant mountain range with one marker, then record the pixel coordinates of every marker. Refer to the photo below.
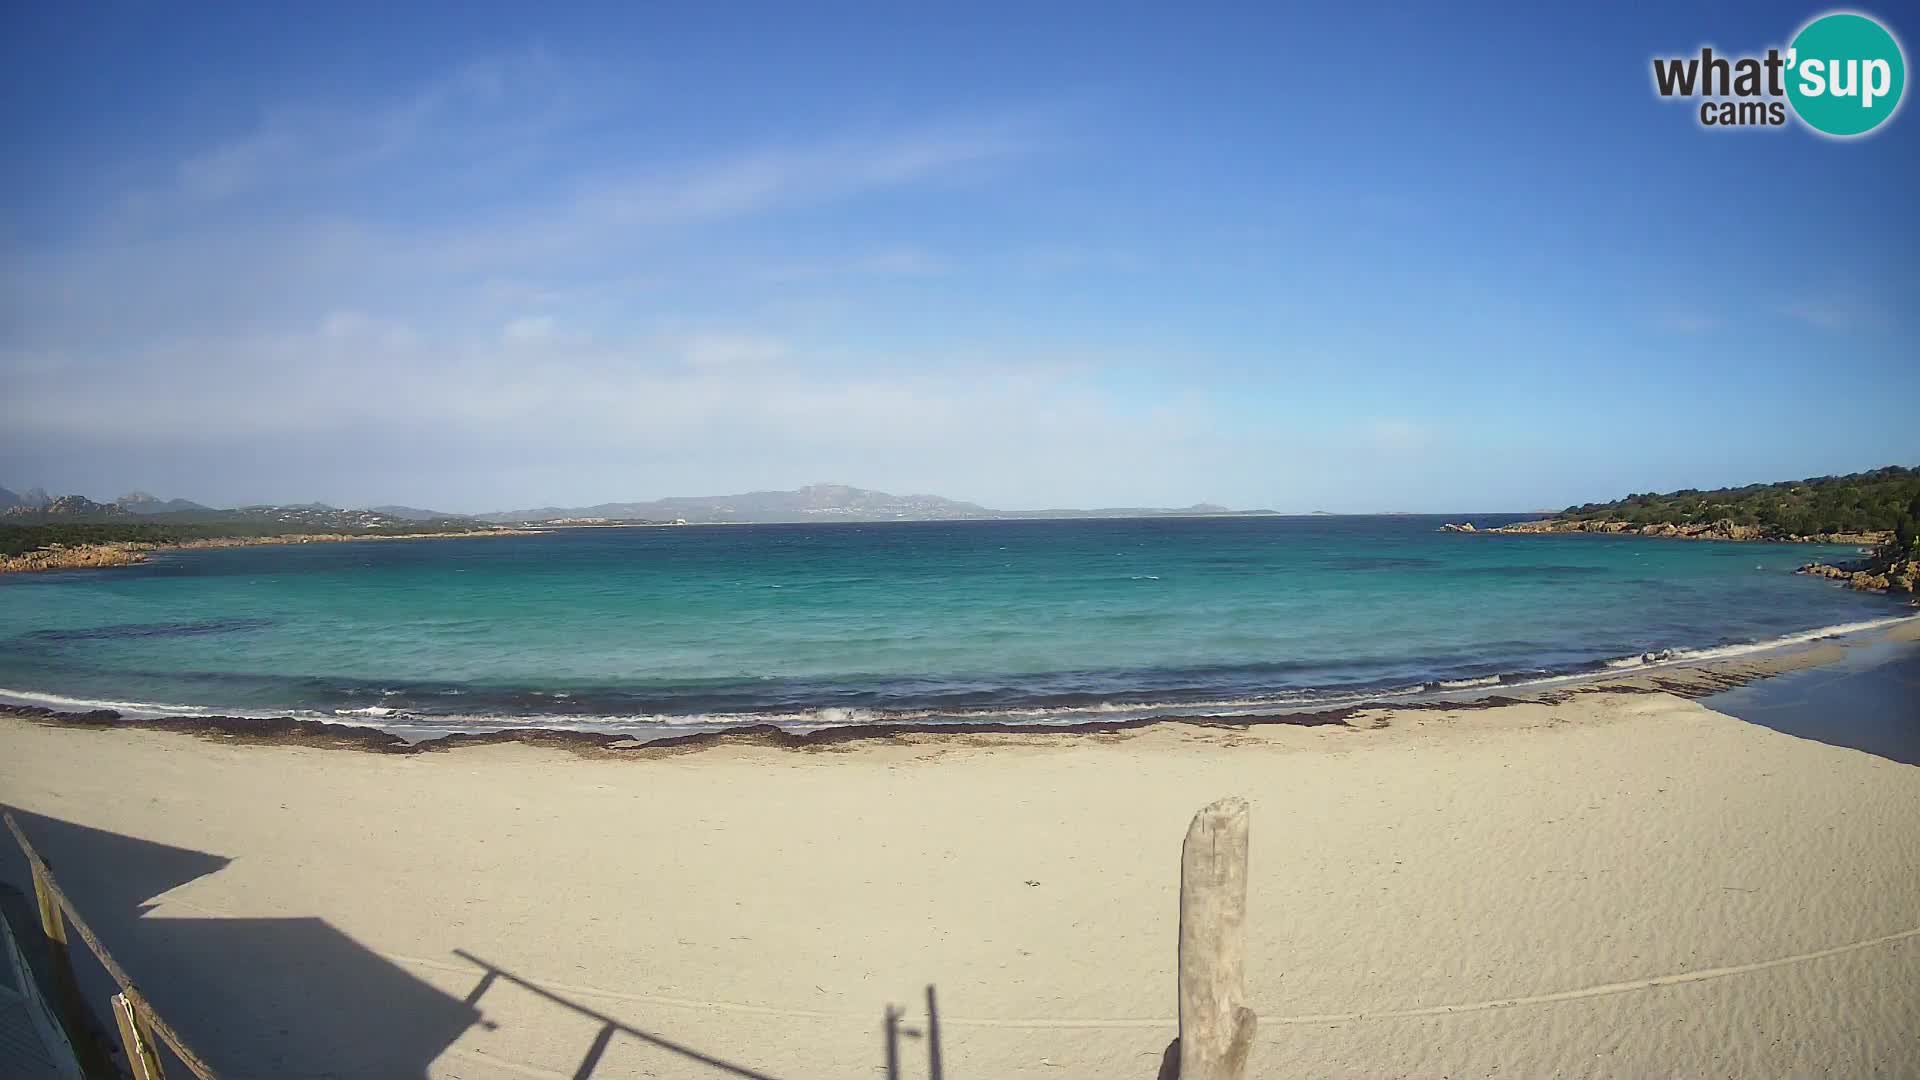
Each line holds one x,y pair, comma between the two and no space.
32,500
139,502
816,502
36,507
819,502
36,500
414,513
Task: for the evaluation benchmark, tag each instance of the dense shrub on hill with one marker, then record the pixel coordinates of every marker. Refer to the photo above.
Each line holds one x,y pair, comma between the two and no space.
1876,501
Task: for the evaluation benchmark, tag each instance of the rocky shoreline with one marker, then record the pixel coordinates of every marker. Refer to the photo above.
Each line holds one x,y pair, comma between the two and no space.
129,552
1871,574
1875,573
1716,530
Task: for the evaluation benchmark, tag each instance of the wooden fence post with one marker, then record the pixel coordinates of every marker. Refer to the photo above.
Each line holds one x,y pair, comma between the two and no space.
66,988
131,1007
1216,1028
137,1040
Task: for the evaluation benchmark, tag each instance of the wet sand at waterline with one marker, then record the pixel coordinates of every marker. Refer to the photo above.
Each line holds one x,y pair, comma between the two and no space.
1617,884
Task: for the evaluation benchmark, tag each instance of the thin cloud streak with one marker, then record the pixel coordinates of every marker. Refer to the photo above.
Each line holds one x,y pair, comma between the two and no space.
207,254
749,407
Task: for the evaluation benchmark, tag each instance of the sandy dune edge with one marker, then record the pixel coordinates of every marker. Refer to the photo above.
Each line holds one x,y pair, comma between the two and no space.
1614,884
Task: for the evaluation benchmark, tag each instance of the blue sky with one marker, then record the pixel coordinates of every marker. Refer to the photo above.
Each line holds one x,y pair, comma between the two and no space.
1356,259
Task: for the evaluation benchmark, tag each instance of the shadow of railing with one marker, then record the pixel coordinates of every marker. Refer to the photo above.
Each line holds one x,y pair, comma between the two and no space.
273,996
258,997
296,997
609,1026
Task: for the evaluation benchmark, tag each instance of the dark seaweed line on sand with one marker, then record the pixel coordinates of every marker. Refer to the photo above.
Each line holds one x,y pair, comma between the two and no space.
289,731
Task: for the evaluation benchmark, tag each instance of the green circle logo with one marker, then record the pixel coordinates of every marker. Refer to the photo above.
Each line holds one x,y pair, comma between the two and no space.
1845,74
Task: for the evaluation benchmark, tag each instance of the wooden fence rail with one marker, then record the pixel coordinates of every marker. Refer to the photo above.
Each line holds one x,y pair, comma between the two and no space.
142,1029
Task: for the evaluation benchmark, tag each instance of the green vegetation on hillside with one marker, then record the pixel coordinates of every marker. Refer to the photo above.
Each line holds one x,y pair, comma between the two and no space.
1876,501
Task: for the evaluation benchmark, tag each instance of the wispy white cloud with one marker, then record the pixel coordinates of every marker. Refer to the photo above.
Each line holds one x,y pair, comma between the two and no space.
760,410
835,167
296,213
529,329
232,167
1833,314
330,329
1688,323
1046,261
712,352
469,111
362,328
509,108
895,262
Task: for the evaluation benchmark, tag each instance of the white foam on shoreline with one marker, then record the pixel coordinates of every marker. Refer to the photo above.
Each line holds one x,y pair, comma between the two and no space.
1463,684
801,720
1666,657
51,700
1673,657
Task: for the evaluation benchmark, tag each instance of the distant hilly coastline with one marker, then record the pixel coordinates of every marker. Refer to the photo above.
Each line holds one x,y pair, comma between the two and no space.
36,500
825,502
37,508
39,532
815,502
414,513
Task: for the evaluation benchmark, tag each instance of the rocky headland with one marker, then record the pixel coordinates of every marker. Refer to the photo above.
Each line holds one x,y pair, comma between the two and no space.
1711,530
1876,573
1884,568
1881,570
129,552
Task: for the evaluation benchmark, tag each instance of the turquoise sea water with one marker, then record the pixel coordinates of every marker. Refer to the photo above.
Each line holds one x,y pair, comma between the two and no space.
669,628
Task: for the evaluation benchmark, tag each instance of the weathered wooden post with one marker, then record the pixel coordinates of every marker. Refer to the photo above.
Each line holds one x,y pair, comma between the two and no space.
66,988
137,1039
141,1029
1216,1028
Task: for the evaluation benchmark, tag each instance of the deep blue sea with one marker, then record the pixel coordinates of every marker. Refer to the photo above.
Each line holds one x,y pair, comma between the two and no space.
669,629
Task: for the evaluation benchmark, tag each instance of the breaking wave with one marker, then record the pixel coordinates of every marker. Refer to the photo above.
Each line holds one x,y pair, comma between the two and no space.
411,718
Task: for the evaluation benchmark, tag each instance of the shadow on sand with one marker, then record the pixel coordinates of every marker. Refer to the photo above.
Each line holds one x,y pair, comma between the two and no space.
1869,701
609,1026
280,998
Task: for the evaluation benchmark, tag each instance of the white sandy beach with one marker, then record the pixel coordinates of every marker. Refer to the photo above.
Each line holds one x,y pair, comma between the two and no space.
1620,885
